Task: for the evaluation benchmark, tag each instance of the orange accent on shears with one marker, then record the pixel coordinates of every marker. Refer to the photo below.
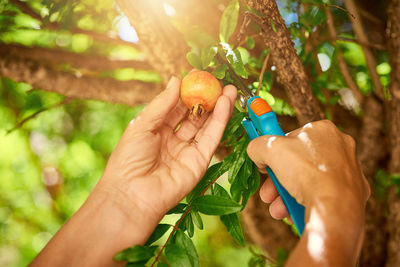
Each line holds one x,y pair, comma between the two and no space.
260,106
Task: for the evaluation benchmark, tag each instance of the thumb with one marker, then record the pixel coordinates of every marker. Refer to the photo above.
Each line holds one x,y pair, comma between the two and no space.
265,150
154,114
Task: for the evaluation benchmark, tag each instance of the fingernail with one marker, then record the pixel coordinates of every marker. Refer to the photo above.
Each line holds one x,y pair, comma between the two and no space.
172,81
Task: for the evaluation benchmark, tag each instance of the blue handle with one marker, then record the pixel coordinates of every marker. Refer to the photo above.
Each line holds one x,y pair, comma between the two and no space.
267,124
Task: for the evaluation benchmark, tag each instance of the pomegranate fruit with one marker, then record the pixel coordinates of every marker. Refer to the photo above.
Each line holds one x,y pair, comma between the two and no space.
199,92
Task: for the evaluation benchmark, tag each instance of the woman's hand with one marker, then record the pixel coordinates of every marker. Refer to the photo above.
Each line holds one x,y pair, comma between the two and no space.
162,154
158,161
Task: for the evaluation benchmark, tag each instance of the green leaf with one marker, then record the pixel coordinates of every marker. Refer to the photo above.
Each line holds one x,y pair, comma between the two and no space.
194,60
136,254
235,59
161,264
220,71
160,230
234,124
229,21
136,264
254,184
212,172
220,191
197,219
236,190
232,224
215,205
250,43
189,225
244,54
207,55
178,209
239,151
245,171
180,251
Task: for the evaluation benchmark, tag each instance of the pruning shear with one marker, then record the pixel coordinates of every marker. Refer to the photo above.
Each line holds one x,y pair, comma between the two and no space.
262,121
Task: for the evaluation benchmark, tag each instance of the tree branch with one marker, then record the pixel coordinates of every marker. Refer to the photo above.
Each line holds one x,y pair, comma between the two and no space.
342,64
106,89
290,70
52,57
163,45
369,57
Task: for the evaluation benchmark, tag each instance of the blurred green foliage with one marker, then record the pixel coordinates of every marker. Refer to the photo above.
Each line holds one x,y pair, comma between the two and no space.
49,165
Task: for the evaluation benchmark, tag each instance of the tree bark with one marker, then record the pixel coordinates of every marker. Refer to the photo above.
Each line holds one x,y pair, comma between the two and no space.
393,36
105,89
162,44
372,148
54,57
289,67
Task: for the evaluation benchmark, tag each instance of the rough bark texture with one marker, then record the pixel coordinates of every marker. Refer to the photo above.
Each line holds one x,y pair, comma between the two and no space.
162,44
290,70
106,89
393,35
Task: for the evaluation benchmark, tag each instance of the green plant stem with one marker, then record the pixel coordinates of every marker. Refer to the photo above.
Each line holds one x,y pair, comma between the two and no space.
260,78
179,222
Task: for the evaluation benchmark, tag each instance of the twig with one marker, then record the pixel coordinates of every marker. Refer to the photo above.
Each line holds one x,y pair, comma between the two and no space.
342,63
245,24
260,78
375,46
266,258
180,221
244,40
369,57
332,6
341,8
20,123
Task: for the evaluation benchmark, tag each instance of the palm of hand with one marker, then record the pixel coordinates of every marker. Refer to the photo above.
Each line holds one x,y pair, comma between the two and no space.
155,166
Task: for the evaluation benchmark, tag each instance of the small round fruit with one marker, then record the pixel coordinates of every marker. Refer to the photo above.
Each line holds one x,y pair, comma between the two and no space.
199,92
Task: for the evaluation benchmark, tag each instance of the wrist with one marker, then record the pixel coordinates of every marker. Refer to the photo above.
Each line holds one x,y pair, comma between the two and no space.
340,223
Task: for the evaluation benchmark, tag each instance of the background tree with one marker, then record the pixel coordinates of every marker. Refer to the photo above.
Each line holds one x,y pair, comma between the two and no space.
308,59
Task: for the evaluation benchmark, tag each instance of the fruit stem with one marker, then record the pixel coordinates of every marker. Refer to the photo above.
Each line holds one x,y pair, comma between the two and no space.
197,111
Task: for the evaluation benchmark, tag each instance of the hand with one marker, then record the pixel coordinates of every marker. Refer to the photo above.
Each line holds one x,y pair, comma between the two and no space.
154,166
314,162
318,166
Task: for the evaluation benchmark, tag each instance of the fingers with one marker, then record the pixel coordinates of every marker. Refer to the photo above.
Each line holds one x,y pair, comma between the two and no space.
268,191
210,134
189,128
155,113
266,149
176,115
278,210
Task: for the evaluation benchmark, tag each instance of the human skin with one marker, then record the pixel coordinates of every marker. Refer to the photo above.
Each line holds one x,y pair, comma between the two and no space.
150,171
317,164
153,167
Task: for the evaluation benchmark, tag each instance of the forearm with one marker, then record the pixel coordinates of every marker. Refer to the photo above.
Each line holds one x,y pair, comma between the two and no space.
95,234
332,237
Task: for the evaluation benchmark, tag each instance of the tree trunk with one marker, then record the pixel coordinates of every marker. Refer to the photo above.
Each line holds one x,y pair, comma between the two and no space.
289,67
159,40
393,36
